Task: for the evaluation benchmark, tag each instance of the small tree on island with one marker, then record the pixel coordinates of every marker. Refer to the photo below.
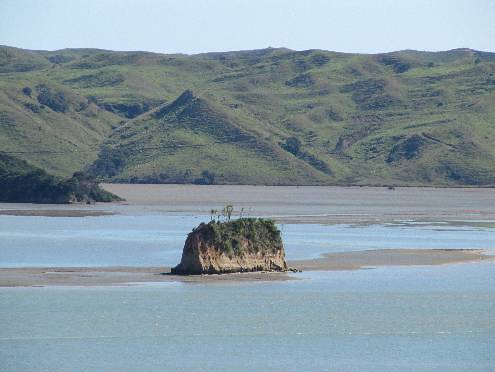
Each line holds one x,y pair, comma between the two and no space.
213,214
225,214
228,211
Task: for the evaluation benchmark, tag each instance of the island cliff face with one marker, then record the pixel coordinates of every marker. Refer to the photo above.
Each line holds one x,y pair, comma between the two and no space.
242,245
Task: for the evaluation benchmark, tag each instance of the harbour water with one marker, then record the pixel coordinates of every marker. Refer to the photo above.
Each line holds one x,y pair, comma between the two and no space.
157,240
379,319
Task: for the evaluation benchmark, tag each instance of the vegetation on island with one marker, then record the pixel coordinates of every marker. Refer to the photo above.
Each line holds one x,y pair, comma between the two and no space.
226,245
23,183
241,236
273,116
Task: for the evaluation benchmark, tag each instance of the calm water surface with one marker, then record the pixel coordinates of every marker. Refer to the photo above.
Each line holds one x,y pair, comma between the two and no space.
387,319
158,239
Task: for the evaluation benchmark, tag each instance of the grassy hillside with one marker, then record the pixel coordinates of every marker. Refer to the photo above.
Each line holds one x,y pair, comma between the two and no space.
271,116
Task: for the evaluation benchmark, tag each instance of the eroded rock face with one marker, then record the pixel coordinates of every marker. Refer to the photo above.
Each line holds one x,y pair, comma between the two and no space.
243,245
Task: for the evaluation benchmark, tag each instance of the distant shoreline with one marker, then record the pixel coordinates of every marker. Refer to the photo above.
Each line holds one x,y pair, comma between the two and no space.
125,276
386,186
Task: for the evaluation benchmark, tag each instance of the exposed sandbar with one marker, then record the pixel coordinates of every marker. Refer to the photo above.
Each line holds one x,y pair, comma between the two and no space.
311,204
391,257
115,276
108,276
55,212
288,204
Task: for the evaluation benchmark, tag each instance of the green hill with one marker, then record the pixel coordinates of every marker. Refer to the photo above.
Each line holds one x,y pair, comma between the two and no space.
23,183
271,116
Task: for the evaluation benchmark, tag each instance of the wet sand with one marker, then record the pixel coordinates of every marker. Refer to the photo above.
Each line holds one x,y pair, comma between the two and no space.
391,257
313,204
306,204
287,204
114,276
309,204
54,213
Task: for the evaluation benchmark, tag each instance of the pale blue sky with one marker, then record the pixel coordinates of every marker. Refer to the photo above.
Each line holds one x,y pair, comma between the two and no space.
188,26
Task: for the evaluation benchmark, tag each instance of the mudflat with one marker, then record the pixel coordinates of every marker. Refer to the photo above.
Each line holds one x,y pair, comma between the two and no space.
286,204
54,212
111,276
303,204
313,204
114,276
391,257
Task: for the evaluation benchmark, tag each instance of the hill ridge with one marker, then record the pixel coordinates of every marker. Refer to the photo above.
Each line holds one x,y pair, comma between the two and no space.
267,116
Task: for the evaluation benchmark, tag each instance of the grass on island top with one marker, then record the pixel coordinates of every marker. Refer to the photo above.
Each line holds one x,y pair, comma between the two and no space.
241,236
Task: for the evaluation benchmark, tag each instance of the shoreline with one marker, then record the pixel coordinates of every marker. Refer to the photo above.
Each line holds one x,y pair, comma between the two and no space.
126,276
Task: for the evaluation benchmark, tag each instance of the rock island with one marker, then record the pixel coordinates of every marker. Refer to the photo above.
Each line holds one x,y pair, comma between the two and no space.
241,245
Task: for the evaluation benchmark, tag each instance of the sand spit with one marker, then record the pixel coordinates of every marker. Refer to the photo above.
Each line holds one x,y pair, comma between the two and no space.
118,276
55,212
391,257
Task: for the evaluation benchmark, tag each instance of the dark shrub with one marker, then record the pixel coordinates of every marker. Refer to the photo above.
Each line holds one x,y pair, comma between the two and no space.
407,149
110,162
292,145
207,178
300,81
58,58
27,91
55,100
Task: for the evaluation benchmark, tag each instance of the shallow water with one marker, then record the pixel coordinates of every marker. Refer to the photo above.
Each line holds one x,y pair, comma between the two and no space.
385,319
388,319
157,240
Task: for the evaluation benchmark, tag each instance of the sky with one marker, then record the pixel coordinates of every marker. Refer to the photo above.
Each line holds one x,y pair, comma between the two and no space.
195,26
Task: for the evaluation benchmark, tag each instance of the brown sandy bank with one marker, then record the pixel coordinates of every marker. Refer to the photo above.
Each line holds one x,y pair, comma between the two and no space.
55,212
391,257
288,204
312,204
114,276
108,276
